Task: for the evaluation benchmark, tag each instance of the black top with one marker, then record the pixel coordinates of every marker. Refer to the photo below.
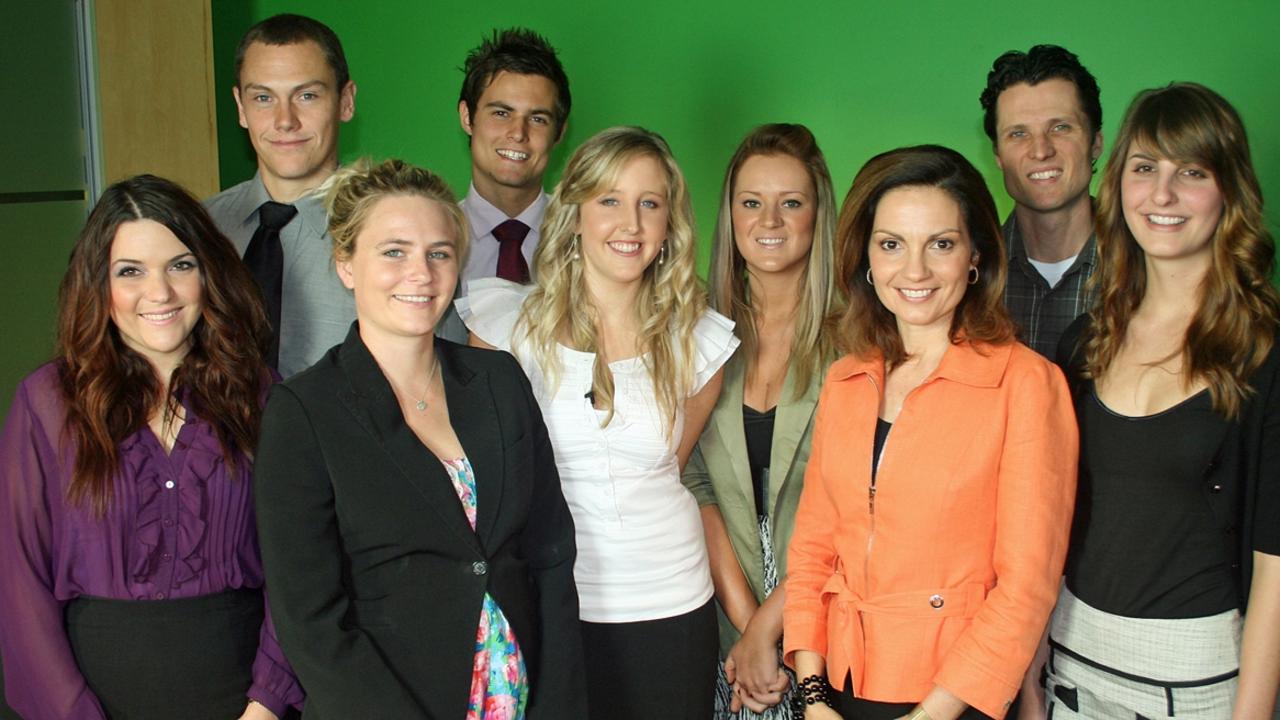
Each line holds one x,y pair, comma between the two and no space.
1146,542
758,427
1242,483
882,434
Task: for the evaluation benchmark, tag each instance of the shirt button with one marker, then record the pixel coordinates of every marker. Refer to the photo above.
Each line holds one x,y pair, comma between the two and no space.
166,556
159,596
168,484
168,522
479,567
1216,489
936,602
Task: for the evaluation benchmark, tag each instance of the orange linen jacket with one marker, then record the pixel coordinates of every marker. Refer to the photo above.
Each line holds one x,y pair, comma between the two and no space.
946,574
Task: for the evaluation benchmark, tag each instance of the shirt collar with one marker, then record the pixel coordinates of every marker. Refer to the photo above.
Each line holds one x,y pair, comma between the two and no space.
311,210
1017,251
485,216
974,364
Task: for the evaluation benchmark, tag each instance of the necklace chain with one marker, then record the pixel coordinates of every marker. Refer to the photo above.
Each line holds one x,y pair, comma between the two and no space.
421,404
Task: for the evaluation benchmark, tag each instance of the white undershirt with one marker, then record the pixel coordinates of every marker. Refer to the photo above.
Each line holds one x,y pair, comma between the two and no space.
1052,271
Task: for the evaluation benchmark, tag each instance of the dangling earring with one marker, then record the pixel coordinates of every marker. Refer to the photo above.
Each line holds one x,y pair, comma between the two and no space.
576,239
869,280
662,254
973,274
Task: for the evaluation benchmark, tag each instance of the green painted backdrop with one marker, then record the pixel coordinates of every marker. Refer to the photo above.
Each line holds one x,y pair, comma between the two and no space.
864,76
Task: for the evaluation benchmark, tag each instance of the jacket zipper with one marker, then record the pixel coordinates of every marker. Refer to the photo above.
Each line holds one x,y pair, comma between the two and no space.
871,505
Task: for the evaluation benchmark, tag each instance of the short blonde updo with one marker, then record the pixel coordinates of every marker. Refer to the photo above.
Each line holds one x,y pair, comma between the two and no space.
354,189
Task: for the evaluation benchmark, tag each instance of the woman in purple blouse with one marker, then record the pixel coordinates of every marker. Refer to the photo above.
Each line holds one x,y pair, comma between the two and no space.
130,579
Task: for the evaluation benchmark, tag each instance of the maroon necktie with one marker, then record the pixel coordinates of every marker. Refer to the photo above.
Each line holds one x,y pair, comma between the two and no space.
511,264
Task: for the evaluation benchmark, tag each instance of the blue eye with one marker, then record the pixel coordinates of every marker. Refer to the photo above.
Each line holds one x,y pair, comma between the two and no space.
439,255
793,204
651,204
751,204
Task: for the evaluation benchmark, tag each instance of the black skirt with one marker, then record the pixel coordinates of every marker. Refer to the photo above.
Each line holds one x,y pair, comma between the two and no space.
161,659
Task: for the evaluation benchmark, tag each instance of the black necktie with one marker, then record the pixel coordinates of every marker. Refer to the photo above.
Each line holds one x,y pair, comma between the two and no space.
265,259
511,262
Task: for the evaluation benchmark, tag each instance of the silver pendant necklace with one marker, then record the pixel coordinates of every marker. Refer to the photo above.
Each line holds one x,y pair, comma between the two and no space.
421,404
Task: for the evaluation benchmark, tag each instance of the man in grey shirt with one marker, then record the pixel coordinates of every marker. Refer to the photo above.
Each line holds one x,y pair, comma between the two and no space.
293,91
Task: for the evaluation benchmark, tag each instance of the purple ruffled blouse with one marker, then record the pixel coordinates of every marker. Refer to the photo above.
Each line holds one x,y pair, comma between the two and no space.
179,525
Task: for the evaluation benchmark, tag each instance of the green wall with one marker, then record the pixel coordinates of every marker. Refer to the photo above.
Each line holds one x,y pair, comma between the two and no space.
864,76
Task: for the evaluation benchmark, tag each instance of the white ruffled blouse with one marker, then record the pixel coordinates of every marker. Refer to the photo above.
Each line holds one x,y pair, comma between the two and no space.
641,550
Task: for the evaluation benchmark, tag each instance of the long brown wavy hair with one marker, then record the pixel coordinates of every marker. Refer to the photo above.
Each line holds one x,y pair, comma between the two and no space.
110,390
1234,327
812,344
868,326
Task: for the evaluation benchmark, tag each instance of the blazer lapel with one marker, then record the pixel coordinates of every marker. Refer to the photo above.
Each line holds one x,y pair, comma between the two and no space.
789,424
728,425
373,404
475,421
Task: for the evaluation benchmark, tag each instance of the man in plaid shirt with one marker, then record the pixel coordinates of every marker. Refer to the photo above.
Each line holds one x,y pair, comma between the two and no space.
1044,118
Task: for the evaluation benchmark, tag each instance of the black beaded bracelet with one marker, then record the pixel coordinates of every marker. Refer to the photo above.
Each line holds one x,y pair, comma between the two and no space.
811,691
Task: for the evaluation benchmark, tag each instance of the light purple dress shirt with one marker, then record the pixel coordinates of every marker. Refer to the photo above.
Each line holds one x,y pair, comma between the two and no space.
179,525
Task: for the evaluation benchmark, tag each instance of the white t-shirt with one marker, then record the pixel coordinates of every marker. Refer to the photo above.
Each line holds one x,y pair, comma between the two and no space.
1052,271
641,550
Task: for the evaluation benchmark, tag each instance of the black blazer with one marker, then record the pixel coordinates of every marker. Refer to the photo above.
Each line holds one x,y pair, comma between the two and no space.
375,575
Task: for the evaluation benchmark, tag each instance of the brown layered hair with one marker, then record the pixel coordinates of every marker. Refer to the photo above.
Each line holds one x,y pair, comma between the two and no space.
1234,326
812,345
867,326
110,390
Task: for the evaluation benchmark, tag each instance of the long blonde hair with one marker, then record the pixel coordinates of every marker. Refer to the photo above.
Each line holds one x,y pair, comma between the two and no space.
1234,326
670,300
812,343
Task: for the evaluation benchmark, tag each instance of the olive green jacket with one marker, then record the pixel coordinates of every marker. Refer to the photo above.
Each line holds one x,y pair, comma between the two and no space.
719,473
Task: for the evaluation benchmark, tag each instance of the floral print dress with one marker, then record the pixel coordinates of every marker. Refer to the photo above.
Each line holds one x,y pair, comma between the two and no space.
499,681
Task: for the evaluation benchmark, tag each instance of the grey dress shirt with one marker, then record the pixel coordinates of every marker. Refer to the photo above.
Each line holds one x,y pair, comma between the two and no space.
316,309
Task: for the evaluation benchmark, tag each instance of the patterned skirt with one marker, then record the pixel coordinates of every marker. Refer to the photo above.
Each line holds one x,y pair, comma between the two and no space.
724,691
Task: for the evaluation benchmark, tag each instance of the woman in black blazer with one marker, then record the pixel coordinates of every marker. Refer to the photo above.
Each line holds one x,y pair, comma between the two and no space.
410,511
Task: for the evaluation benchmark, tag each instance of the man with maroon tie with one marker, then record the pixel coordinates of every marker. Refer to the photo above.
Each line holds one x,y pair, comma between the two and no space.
514,105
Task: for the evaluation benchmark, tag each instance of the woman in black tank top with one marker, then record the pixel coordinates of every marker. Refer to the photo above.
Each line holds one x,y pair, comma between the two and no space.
1177,526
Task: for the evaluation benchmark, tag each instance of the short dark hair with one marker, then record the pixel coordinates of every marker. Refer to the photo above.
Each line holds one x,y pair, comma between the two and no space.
1040,63
289,29
867,326
520,51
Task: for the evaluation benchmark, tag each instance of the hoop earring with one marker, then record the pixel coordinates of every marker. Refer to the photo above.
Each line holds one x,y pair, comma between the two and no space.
973,274
576,239
869,280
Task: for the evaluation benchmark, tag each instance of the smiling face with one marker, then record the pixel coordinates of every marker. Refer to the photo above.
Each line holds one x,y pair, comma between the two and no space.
404,267
1171,207
773,208
1044,145
512,133
623,228
157,292
920,254
289,104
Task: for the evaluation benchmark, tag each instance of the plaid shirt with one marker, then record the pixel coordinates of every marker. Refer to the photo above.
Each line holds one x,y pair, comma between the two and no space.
1042,313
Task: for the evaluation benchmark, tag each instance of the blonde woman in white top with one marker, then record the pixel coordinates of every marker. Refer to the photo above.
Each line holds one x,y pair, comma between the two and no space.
625,360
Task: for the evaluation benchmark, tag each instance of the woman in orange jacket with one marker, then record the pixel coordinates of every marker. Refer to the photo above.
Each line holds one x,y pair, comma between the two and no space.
934,520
